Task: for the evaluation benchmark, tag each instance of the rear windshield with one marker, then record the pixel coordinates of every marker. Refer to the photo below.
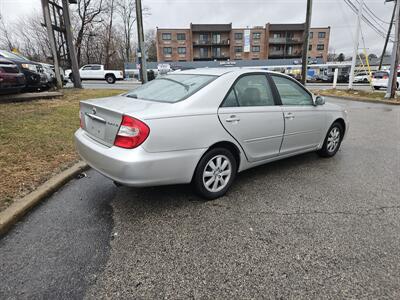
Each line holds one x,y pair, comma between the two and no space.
381,74
171,88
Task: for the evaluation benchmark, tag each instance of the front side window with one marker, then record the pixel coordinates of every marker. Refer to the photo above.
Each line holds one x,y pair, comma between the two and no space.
167,50
255,49
166,36
291,92
87,68
171,88
180,36
250,90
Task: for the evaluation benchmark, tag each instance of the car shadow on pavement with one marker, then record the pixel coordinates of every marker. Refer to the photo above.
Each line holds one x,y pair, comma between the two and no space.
178,196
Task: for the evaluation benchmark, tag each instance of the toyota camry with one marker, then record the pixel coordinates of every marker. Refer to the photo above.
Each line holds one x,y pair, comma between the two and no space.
204,126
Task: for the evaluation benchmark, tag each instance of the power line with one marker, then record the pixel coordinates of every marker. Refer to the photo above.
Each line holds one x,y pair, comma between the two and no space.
365,19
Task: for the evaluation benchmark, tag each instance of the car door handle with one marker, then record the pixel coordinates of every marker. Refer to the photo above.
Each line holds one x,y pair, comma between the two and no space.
232,119
289,116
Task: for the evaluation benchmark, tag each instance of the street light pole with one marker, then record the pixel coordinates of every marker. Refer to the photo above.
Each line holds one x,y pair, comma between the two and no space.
52,41
142,52
356,40
392,86
306,41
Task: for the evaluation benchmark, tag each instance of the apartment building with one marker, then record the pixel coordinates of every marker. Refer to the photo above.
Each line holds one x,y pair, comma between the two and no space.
319,42
206,42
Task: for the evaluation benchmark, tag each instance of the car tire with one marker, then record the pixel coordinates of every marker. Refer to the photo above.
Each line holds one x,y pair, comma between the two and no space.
365,80
110,79
332,140
377,87
214,173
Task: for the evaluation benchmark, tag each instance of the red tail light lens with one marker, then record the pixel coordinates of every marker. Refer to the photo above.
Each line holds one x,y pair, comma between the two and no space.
385,77
132,133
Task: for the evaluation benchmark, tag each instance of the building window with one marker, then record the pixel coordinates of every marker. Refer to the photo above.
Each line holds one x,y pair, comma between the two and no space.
203,52
167,50
320,47
238,49
238,36
290,35
277,48
321,35
256,35
309,47
181,50
203,38
255,49
216,52
311,35
166,36
181,36
277,35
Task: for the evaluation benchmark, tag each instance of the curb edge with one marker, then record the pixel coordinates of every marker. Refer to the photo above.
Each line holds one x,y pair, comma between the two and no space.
22,206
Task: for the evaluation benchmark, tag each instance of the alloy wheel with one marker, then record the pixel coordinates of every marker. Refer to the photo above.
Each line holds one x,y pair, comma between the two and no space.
333,139
217,173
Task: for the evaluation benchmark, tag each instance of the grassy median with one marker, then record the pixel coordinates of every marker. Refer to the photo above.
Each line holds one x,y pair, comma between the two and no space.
373,96
36,140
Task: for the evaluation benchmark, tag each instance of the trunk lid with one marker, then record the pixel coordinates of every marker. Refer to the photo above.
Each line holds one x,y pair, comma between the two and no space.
101,118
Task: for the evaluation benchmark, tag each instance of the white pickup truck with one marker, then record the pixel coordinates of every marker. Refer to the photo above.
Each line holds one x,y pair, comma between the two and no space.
96,72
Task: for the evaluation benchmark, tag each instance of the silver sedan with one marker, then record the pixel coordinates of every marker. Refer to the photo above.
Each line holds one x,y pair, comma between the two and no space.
204,126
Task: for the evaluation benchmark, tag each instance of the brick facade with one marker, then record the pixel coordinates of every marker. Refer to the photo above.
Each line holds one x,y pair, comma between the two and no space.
222,42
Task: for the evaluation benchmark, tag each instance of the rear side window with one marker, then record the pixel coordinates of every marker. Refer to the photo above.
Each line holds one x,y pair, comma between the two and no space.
291,92
171,88
250,90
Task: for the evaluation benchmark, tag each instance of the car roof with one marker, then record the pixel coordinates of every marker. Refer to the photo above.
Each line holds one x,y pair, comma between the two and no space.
219,71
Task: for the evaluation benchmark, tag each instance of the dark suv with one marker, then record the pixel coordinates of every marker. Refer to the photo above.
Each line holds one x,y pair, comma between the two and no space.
11,79
35,78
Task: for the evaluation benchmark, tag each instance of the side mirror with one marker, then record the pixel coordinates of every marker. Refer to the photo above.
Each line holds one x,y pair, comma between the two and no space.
319,100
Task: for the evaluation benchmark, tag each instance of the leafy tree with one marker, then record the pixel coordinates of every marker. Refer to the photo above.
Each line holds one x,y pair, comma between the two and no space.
341,57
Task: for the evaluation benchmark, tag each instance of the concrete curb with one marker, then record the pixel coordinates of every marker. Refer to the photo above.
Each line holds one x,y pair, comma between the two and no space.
29,97
390,102
20,207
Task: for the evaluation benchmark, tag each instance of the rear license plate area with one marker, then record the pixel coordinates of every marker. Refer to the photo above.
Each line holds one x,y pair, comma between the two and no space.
95,128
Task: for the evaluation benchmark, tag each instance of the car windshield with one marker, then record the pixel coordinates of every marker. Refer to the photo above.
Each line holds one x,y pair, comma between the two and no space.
11,55
171,88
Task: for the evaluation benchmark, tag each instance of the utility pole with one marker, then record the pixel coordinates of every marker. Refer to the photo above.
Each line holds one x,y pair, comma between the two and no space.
356,40
388,35
71,47
141,52
392,86
306,41
52,40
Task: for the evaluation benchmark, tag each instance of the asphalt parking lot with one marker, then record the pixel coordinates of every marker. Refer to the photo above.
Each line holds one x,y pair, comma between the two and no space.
304,227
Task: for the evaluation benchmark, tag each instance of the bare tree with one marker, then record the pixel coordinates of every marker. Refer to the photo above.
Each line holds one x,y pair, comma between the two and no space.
126,11
150,45
5,36
108,39
89,12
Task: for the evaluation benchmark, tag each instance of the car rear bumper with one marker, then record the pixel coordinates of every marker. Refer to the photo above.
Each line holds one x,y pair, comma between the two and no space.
136,167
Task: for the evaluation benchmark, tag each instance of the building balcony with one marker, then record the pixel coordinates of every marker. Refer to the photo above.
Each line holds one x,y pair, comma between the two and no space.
211,43
283,54
285,40
210,58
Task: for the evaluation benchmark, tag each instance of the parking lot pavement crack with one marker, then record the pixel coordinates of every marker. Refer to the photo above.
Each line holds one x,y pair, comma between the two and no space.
368,212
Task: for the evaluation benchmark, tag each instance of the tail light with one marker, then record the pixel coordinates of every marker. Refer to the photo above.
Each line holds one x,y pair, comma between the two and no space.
385,77
131,133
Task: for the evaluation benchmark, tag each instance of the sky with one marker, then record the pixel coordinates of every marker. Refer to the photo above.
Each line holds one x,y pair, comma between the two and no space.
243,13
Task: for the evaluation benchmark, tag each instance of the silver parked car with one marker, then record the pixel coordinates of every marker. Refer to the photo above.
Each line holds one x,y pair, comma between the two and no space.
203,126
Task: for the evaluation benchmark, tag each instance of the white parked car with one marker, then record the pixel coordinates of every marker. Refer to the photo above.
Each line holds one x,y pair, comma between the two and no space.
204,126
381,80
362,77
97,72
